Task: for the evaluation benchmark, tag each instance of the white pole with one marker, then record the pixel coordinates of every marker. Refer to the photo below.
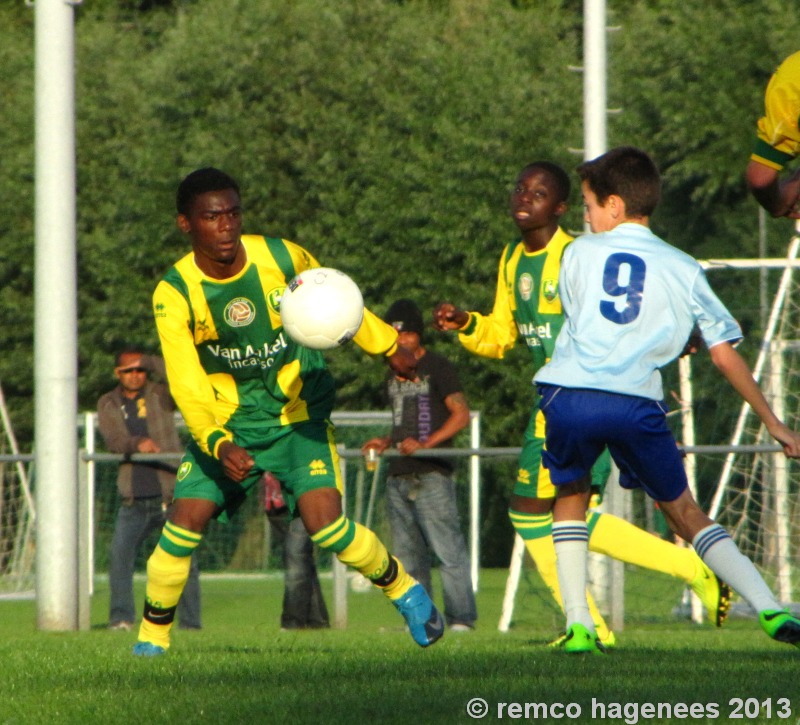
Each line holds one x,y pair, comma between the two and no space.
512,583
338,569
594,78
689,462
780,479
475,499
55,344
594,145
615,503
90,435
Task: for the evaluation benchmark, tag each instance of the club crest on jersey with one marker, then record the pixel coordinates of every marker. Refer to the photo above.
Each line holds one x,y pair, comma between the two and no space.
274,299
239,312
525,286
549,289
184,469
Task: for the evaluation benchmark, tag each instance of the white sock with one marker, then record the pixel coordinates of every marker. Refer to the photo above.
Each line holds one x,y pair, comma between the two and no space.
718,550
571,541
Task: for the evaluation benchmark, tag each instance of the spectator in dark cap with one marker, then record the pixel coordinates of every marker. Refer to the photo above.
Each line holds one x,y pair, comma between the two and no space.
420,491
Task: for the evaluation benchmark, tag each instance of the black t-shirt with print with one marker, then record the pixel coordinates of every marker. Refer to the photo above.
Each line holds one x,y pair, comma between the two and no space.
418,409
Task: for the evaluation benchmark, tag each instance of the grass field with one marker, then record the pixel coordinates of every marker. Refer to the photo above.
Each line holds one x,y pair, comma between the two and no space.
241,669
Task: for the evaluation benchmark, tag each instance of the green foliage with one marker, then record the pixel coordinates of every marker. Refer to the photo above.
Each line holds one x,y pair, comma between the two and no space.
383,136
690,78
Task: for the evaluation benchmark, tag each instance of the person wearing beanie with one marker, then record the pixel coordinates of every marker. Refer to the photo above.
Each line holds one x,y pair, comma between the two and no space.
420,491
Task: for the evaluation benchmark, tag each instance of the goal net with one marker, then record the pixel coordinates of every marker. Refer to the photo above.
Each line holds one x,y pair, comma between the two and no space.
757,496
16,516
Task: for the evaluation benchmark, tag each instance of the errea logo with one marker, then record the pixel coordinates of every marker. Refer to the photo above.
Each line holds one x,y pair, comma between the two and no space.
524,476
317,468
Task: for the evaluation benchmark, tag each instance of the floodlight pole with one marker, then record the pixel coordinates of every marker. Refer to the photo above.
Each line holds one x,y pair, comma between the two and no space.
595,112
55,326
595,106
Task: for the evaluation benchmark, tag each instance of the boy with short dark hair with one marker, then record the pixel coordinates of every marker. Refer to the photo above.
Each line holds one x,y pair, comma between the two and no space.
631,301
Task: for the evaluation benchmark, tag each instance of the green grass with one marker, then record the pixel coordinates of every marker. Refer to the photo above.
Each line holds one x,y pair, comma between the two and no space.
241,669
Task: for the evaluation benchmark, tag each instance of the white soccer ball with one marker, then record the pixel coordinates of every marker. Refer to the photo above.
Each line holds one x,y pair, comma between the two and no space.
322,308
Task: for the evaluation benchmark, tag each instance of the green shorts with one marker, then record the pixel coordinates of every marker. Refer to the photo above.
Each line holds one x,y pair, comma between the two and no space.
533,479
302,457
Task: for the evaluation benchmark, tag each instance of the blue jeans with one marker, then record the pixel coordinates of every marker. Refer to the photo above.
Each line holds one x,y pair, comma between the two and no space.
423,516
134,524
303,603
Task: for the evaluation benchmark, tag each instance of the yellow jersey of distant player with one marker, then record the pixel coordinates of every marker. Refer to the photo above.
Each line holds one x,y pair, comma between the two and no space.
778,139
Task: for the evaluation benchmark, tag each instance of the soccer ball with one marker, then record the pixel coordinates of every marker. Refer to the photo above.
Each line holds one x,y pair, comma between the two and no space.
322,308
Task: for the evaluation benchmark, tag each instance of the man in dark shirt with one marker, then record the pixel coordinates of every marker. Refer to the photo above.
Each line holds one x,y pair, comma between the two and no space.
421,495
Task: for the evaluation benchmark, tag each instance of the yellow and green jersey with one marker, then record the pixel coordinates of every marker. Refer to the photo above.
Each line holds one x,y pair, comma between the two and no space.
230,365
778,140
526,304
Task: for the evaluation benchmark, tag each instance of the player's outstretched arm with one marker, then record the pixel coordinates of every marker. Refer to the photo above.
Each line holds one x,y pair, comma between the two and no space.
735,370
780,197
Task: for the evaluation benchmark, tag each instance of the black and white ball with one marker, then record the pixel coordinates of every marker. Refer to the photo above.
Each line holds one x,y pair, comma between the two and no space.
322,308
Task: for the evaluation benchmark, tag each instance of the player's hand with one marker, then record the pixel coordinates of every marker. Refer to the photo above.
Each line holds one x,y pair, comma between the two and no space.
235,460
788,439
446,316
148,445
404,364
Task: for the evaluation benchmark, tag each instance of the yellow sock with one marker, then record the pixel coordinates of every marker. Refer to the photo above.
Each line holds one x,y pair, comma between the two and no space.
536,532
622,540
358,547
167,573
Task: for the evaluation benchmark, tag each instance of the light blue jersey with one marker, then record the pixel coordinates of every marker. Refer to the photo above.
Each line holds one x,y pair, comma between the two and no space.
630,301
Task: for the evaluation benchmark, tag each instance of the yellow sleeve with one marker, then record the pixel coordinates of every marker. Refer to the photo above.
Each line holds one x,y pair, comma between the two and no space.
375,336
778,140
301,258
493,335
188,382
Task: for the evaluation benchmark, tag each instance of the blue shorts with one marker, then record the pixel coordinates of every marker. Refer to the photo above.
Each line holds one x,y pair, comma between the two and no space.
533,479
580,423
